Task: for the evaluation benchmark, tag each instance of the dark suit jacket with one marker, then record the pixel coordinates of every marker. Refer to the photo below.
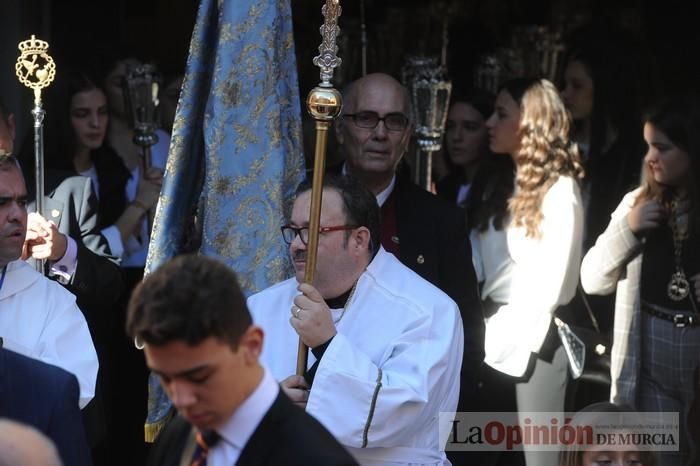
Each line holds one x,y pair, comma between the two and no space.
45,397
433,242
73,206
286,435
97,282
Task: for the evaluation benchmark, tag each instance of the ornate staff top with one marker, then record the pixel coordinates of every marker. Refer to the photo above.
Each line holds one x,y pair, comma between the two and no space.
324,102
327,59
35,68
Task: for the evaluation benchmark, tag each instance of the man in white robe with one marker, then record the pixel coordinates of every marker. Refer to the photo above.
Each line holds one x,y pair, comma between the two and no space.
38,317
386,345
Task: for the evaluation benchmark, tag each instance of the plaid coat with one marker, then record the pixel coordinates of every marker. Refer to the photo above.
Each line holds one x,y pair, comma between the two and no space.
614,263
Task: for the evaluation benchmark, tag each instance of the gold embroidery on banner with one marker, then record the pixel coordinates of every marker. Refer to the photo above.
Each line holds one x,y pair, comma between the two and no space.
258,216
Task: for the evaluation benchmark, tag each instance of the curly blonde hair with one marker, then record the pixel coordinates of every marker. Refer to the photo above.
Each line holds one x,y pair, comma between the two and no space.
545,154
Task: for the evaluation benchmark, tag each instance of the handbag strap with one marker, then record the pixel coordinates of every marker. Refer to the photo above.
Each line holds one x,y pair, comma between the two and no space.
588,308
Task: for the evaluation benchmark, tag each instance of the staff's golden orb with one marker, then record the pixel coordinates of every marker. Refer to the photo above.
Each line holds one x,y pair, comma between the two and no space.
324,103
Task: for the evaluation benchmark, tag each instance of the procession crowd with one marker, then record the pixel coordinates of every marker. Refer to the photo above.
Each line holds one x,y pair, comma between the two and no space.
564,210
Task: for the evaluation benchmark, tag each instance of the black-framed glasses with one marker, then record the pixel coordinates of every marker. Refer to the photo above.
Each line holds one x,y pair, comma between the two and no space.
392,121
289,232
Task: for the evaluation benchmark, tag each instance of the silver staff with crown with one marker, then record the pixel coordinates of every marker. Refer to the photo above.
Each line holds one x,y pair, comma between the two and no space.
36,69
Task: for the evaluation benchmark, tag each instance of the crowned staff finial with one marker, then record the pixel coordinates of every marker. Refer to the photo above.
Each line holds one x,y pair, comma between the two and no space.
35,68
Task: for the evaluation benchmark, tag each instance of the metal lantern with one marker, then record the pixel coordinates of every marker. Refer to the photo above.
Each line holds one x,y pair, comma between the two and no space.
141,97
429,90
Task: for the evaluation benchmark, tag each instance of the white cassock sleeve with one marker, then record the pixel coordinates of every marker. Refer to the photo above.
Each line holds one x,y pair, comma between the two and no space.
41,320
67,344
366,405
56,334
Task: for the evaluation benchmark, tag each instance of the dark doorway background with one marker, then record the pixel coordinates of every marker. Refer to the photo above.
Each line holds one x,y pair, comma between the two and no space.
89,32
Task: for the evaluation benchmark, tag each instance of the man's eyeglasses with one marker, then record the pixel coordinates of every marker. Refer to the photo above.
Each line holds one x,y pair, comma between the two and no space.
370,120
289,232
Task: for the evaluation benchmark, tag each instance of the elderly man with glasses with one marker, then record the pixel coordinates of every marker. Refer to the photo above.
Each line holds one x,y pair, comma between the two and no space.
386,345
425,233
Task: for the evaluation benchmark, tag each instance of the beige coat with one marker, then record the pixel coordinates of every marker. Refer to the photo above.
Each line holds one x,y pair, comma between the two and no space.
614,263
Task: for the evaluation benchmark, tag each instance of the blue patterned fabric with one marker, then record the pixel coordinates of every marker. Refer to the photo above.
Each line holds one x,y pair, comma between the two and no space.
236,150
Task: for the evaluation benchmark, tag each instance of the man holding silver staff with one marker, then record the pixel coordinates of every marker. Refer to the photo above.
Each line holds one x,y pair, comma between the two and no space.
386,344
39,318
77,256
66,239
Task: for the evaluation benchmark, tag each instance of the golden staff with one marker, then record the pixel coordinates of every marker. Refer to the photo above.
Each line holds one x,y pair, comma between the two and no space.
36,69
324,104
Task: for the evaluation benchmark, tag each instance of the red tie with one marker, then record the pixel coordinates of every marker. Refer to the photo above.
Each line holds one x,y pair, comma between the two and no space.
204,442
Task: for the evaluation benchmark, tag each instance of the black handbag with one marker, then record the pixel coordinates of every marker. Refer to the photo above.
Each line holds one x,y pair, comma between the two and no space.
587,350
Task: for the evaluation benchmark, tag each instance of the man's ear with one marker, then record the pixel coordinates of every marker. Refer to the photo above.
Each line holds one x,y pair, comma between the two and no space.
362,238
251,343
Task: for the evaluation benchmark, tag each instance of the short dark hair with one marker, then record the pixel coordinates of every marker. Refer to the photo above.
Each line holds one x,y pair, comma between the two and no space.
359,204
191,298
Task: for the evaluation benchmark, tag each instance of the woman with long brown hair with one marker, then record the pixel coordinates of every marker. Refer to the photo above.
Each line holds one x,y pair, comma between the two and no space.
650,255
543,238
466,143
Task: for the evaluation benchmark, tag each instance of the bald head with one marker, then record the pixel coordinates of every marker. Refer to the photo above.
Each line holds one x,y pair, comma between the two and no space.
22,445
372,154
370,82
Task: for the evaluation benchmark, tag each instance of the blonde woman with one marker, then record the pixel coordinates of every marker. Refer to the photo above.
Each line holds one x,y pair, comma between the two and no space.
543,238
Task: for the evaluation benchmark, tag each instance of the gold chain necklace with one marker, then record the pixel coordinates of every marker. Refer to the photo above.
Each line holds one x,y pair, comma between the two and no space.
347,302
678,287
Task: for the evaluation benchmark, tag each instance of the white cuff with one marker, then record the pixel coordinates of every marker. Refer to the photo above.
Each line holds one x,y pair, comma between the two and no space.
65,267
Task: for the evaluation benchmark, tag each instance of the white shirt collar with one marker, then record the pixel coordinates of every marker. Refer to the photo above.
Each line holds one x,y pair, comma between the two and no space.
241,425
384,195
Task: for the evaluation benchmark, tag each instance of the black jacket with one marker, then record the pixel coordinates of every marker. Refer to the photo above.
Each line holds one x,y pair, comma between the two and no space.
46,398
433,242
286,435
97,282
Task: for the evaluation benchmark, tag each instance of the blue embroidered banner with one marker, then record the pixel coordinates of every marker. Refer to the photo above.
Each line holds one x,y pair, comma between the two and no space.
236,150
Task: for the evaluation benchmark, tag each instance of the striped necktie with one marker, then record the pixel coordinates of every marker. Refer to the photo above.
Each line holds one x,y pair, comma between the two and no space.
205,440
